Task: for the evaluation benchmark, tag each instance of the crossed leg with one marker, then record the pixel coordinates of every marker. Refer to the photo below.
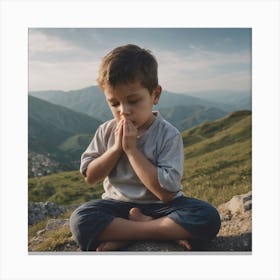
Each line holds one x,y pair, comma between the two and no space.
141,227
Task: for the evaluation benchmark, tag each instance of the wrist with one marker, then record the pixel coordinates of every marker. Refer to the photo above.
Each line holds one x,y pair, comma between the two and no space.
131,152
116,150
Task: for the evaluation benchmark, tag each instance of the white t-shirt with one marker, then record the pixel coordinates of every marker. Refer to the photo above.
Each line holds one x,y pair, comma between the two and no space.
161,144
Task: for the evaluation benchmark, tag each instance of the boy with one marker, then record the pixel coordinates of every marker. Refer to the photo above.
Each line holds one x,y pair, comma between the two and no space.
140,157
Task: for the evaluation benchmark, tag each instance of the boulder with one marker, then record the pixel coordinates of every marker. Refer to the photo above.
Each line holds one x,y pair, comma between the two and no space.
39,211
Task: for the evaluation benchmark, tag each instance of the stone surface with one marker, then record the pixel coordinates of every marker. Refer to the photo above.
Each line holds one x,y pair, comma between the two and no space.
39,211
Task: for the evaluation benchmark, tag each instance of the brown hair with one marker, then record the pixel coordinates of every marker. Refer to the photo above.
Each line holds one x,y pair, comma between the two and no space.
128,64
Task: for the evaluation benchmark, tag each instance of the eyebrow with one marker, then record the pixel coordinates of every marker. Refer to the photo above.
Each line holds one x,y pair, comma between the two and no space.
129,96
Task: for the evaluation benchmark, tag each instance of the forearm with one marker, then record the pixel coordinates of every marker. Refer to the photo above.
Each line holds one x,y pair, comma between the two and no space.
100,167
147,173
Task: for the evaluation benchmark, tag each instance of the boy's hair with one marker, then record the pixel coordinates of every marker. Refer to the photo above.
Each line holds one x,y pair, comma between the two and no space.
128,64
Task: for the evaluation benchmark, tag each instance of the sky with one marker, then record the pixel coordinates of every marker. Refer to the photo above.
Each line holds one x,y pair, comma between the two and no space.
189,59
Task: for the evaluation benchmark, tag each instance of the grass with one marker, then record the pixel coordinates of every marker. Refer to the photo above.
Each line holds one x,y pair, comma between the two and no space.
218,162
65,188
54,240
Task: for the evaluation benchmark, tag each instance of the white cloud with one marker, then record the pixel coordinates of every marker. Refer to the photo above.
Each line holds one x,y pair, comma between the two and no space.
62,76
56,64
41,42
202,70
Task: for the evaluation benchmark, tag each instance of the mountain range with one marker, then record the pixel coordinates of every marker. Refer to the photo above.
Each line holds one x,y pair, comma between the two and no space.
61,133
91,101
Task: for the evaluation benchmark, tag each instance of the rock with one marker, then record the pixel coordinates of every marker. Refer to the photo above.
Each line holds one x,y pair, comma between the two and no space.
55,224
239,203
154,246
38,211
242,242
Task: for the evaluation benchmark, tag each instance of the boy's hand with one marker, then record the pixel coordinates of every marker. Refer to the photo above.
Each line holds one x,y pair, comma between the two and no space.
129,136
119,136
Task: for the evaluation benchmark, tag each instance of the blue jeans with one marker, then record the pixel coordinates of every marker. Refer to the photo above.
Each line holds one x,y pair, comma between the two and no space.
198,217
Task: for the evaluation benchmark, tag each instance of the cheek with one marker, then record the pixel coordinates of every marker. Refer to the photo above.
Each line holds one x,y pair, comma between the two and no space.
115,113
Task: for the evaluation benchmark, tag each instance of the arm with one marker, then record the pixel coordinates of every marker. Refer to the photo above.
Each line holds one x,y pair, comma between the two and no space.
145,170
100,167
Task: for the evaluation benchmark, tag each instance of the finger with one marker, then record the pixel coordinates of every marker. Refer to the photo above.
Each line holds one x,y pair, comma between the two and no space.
125,126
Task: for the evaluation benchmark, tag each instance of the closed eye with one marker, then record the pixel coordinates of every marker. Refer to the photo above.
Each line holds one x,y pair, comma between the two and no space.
133,101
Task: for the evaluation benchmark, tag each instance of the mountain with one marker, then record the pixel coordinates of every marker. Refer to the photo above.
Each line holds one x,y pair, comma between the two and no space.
185,117
238,100
49,128
91,101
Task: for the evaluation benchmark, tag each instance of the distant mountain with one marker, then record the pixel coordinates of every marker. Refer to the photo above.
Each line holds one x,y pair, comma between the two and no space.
49,126
91,101
238,100
185,117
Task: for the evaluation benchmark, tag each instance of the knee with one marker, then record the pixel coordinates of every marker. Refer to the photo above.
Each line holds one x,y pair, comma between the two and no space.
75,227
203,222
214,222
86,222
79,229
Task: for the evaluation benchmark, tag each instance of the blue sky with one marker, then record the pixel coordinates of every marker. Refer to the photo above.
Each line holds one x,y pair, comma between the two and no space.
190,59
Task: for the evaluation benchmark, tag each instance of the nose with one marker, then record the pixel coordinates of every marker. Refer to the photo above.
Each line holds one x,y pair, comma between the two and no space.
124,110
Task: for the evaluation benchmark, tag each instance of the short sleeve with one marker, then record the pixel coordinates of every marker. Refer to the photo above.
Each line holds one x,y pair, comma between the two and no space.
95,149
170,164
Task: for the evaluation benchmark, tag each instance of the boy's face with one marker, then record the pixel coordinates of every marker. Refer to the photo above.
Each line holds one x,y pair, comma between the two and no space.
132,101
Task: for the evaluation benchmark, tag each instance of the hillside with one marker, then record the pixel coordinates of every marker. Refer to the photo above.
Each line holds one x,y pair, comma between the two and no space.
65,188
218,158
217,166
49,129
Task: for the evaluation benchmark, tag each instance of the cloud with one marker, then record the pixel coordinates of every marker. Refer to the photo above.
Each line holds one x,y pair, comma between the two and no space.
64,60
62,76
204,70
47,47
56,63
40,42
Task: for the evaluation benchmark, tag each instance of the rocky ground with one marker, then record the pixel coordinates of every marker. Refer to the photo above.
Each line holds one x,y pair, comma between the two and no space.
235,233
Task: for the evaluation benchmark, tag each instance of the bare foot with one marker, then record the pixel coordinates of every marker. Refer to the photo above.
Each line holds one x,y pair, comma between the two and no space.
136,215
111,245
185,243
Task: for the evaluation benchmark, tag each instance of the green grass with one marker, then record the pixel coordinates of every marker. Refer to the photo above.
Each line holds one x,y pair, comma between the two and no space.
65,188
54,240
218,159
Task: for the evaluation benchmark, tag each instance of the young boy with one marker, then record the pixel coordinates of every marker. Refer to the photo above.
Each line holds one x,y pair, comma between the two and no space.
140,157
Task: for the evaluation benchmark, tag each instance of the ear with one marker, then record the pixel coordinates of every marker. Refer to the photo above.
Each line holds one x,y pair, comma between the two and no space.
156,94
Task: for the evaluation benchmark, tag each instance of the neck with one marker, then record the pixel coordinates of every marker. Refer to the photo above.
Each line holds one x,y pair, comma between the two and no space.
146,125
